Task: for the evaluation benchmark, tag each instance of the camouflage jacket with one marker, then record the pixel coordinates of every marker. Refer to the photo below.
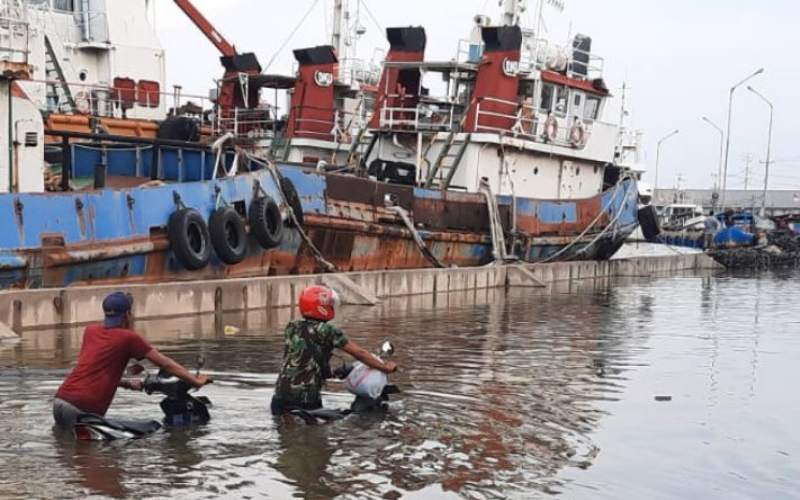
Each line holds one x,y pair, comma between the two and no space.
308,348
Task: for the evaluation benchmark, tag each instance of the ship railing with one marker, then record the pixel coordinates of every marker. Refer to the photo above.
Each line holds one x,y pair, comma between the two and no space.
591,67
14,40
468,51
353,70
428,115
527,123
540,53
327,123
109,102
247,123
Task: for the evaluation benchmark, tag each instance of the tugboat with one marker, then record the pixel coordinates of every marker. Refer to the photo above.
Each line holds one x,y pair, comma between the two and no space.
512,163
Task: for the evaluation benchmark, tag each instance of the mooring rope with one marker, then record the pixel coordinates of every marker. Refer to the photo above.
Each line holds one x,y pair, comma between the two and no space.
592,224
276,176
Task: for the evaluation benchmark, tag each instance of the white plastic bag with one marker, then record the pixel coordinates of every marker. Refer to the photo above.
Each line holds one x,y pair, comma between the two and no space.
365,381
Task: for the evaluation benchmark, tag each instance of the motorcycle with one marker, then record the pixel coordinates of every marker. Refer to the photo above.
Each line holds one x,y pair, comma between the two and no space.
180,408
370,387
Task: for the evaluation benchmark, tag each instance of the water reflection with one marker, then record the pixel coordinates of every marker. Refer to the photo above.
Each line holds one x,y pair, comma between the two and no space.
519,396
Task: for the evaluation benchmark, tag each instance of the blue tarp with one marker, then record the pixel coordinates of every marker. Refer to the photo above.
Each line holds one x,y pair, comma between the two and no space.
733,237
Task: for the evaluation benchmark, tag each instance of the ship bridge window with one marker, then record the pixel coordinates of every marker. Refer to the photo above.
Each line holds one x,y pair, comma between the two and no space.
65,5
554,98
548,93
577,104
591,108
561,100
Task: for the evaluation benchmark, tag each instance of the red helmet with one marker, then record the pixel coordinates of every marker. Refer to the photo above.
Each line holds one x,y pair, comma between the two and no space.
319,302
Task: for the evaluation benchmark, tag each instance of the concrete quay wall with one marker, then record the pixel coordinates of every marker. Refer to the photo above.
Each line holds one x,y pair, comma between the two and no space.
29,309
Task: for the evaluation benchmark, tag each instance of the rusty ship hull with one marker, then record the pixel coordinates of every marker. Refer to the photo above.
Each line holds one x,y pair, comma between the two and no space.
119,236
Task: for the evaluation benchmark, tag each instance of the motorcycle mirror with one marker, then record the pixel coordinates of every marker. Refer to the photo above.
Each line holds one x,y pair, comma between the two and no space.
387,349
201,362
134,370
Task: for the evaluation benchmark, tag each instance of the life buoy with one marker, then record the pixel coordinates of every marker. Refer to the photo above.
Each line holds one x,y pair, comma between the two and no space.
189,238
577,135
266,223
83,102
551,128
228,235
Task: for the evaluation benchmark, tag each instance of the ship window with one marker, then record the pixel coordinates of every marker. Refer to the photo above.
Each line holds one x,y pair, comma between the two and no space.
592,108
548,92
561,101
65,5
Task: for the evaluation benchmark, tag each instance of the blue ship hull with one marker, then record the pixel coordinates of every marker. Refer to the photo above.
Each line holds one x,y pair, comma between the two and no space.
116,236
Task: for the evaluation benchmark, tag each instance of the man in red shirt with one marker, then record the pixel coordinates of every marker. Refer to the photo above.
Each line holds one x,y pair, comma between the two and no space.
106,350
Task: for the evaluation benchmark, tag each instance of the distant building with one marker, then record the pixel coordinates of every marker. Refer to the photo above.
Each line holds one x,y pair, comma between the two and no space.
778,202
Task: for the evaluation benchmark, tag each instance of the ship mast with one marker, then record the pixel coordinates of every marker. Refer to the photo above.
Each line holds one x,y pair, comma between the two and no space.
336,38
511,11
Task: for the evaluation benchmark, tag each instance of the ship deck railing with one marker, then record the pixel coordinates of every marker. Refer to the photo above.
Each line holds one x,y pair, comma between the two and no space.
14,40
429,114
107,102
526,123
329,123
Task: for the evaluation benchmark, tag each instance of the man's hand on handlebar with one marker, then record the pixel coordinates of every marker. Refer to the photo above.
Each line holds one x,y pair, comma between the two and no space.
132,385
391,366
202,380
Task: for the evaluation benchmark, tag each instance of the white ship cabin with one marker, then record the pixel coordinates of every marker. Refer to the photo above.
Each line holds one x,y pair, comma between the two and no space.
98,57
523,114
80,58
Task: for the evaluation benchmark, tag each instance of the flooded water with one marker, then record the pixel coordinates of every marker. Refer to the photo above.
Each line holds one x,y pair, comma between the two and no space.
525,396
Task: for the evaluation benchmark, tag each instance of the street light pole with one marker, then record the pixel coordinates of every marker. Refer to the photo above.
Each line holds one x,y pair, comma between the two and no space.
658,159
721,150
728,133
769,148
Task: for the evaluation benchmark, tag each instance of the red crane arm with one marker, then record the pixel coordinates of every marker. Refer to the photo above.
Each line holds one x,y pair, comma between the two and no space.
206,28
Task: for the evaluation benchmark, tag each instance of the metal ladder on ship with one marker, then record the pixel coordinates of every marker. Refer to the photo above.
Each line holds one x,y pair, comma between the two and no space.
357,156
58,89
444,168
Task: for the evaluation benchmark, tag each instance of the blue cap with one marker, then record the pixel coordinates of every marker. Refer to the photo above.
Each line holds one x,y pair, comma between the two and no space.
115,307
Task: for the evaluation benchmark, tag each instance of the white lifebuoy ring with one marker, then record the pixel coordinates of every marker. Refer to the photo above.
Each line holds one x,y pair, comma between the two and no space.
551,128
83,102
577,135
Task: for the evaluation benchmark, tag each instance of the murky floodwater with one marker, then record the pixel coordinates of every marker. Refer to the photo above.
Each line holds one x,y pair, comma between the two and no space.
517,397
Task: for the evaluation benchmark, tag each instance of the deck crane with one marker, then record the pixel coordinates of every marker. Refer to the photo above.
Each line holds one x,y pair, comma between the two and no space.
235,90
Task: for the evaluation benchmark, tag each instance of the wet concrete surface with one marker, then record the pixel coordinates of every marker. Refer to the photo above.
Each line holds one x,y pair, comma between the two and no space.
677,387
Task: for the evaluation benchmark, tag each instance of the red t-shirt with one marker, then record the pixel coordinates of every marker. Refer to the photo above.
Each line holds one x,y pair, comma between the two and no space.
104,355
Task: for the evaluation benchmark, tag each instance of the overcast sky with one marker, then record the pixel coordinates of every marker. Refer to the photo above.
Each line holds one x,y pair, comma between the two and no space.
678,57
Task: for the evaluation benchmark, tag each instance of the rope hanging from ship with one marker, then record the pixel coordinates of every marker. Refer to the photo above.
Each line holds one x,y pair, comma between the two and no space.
617,189
295,220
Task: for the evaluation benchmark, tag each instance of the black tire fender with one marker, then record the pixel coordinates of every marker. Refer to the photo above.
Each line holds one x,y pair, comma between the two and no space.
292,199
189,238
266,223
228,235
